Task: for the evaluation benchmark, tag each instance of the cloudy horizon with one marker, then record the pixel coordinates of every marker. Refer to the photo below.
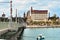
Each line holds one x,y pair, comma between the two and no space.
53,6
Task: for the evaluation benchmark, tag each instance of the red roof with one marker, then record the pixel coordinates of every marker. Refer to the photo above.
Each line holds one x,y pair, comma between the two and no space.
39,11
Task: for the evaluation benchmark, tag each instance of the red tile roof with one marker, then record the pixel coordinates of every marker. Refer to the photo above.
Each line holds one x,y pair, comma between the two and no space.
39,11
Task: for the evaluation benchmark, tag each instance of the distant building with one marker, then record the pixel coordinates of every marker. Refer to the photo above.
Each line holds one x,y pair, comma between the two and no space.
3,15
37,15
7,20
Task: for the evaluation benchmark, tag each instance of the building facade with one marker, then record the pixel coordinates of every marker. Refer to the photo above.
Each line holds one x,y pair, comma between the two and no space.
37,15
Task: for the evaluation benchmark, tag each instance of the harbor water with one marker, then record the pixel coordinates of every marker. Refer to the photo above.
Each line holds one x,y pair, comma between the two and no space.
33,33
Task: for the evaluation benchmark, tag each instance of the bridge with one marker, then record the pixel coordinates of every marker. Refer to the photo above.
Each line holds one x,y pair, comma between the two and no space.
11,31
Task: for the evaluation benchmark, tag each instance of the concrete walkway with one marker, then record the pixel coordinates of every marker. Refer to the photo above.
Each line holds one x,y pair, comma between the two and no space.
3,30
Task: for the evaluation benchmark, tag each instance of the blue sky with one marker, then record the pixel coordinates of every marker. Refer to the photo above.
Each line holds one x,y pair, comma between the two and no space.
53,6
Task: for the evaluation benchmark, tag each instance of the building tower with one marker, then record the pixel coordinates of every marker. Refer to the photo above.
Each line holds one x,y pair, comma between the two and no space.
31,11
49,14
24,14
31,8
3,16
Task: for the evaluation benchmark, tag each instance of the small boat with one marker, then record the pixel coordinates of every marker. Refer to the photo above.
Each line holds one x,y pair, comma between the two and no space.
40,37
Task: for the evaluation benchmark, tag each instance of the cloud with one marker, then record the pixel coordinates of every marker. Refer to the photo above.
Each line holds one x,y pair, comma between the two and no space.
1,0
36,4
24,5
54,4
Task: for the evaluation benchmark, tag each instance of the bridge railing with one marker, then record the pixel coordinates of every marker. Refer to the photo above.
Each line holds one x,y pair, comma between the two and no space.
9,25
4,25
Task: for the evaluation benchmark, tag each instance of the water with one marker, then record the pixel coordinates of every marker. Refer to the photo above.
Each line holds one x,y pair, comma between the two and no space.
49,33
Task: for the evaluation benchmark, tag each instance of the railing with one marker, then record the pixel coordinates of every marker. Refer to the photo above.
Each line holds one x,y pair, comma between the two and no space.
9,25
4,25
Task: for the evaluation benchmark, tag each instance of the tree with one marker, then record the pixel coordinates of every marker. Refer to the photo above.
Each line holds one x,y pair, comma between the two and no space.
54,19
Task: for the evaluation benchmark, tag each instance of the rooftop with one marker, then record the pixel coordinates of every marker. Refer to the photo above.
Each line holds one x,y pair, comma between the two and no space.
39,11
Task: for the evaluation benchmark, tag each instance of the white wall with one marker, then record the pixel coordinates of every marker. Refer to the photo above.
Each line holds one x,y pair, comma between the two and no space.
38,16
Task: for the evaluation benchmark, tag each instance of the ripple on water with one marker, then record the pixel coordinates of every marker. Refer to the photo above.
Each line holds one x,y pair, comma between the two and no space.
49,33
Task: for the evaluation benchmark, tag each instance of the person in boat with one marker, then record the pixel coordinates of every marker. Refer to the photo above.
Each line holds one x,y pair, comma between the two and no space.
40,37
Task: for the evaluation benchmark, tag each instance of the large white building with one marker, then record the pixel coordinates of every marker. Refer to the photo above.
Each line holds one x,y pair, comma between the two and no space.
38,15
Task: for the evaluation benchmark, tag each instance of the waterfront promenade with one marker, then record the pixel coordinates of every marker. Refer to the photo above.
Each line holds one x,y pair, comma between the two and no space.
44,26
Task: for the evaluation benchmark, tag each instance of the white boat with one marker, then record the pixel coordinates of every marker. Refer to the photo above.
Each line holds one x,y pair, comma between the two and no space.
40,36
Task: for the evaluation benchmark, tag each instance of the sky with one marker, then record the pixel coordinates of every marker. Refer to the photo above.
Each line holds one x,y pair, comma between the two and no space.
53,6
